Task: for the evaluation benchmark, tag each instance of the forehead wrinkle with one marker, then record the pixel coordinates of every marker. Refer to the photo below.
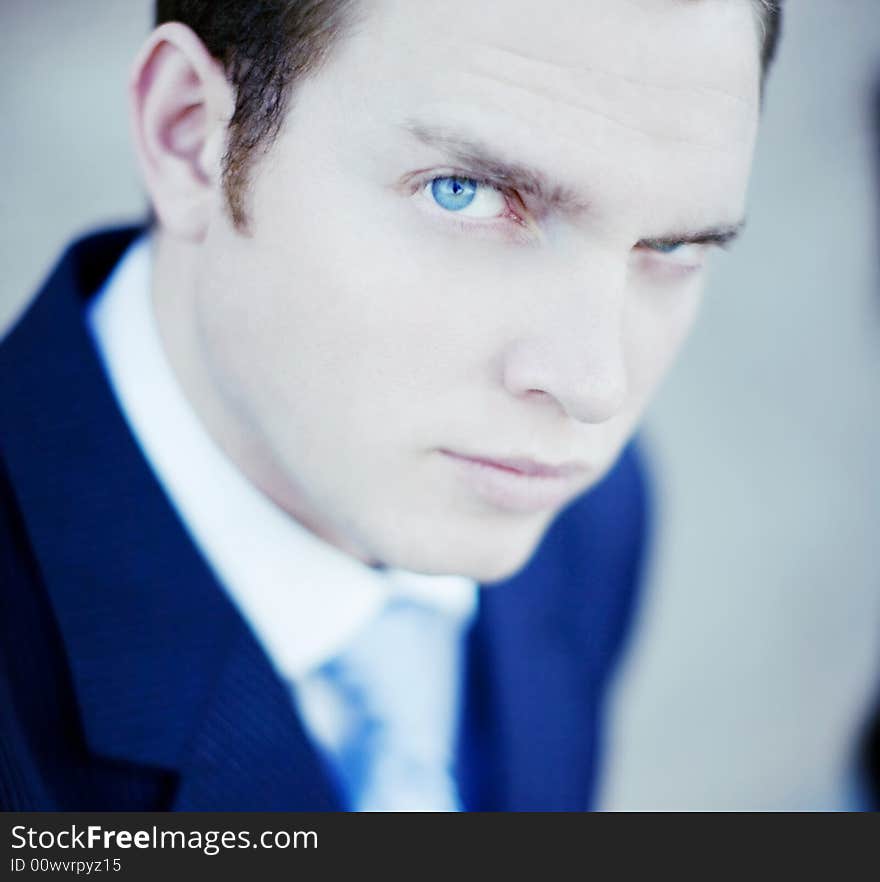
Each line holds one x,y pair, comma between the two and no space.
548,94
521,56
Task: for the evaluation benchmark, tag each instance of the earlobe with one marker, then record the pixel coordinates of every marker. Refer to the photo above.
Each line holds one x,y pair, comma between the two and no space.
180,103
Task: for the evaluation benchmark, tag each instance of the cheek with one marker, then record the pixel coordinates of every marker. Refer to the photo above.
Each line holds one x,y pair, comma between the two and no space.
364,326
657,324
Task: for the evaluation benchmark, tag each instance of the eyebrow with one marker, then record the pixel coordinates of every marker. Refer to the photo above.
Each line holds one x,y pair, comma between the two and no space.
480,162
721,235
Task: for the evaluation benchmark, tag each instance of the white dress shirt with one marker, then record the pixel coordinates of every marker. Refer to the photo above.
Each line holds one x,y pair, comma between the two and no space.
305,600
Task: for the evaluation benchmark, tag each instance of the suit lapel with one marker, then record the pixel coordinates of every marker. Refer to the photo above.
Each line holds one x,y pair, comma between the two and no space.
527,739
250,752
166,672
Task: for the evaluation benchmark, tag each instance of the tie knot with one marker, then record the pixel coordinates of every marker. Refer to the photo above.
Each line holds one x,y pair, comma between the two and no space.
399,674
398,682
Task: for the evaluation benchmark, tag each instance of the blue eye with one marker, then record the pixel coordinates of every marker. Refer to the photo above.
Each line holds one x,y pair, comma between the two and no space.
666,247
454,194
685,254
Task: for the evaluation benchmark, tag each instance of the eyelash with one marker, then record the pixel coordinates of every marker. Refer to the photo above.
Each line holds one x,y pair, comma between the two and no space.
464,222
467,224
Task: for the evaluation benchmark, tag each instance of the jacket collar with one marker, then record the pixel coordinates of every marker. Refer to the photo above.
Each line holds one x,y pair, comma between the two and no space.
166,671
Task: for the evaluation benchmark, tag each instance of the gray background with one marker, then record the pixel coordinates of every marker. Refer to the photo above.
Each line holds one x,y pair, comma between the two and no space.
758,643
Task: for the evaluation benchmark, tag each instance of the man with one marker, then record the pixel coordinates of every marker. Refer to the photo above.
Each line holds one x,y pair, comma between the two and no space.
318,493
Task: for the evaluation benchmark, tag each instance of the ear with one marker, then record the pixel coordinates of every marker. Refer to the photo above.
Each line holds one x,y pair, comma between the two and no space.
181,104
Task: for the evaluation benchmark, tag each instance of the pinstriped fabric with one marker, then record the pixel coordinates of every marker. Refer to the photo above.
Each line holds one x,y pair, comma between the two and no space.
44,762
252,753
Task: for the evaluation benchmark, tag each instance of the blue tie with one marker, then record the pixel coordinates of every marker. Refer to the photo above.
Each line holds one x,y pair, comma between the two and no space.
399,682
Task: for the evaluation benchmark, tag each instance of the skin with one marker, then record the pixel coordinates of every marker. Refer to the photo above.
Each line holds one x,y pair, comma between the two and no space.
356,328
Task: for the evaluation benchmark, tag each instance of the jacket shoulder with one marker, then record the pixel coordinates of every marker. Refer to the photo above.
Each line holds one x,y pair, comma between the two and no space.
604,543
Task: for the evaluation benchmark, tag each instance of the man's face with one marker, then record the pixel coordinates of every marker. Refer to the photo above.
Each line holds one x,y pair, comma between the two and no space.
465,245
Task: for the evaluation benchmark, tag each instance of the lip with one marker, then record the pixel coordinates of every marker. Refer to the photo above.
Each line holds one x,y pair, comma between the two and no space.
518,484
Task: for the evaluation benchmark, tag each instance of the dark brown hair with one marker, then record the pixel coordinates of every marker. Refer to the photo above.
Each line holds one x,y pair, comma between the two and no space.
771,19
267,45
264,46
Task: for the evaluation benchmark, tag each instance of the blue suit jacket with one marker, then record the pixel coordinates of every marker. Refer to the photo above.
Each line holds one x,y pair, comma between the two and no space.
129,681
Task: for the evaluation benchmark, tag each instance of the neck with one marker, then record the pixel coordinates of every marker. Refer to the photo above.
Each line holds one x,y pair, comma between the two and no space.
175,283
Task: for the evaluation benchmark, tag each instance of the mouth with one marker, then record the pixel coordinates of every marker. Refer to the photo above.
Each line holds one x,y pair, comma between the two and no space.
518,484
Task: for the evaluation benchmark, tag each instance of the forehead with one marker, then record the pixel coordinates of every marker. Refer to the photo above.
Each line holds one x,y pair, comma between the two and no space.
603,94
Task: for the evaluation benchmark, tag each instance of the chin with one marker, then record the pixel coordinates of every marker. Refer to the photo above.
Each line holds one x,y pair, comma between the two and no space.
491,557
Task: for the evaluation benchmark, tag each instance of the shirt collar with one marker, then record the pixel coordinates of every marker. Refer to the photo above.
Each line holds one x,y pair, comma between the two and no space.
304,598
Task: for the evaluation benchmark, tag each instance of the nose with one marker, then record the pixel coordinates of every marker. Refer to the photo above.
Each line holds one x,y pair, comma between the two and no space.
573,353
